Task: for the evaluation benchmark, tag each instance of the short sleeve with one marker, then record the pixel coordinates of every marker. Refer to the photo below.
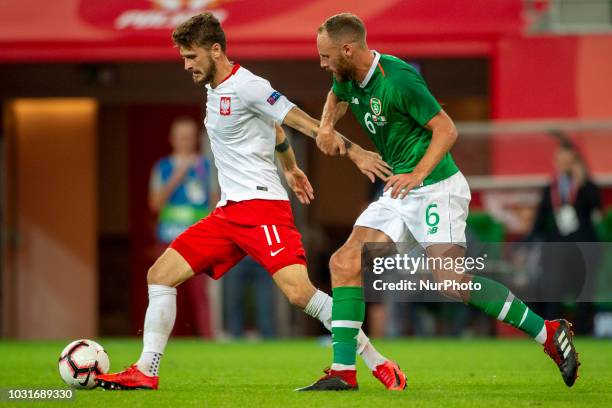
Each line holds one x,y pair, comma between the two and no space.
414,97
339,89
259,96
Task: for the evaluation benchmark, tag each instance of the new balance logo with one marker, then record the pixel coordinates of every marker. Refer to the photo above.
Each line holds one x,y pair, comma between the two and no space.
274,253
355,100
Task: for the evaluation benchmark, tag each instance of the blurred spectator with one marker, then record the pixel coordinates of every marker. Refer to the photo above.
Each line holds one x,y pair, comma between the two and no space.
248,274
570,203
566,215
180,194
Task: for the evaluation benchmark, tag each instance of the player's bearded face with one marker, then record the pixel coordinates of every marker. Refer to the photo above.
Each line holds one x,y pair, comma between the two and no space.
209,72
343,70
205,71
199,63
333,60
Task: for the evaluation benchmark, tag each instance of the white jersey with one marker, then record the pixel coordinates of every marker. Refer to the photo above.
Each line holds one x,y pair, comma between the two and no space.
240,116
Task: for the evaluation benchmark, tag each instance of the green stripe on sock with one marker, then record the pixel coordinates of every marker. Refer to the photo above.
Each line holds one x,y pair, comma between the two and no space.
348,305
491,299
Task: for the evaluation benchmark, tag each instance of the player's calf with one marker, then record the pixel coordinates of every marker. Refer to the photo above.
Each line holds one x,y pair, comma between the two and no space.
169,271
295,284
443,276
438,253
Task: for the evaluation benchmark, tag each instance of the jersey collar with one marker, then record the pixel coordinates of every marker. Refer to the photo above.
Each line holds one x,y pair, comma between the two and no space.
367,78
234,69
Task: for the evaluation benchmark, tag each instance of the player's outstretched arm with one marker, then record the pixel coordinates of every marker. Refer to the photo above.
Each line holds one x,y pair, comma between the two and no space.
369,163
295,177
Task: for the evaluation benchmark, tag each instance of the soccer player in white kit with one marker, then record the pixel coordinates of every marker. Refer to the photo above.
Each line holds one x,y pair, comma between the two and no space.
253,217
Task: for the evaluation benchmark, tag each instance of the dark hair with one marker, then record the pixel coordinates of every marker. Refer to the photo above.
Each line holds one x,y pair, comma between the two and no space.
344,26
563,140
201,30
565,143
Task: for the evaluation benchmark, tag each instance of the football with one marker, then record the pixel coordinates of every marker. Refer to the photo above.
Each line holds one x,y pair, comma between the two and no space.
81,361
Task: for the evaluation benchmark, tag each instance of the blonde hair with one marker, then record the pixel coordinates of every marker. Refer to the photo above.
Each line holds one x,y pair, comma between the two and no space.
344,26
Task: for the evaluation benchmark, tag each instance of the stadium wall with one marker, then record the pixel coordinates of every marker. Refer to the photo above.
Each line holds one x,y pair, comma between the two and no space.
552,77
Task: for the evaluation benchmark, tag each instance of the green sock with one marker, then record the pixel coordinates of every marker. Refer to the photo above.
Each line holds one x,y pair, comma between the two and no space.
497,301
348,312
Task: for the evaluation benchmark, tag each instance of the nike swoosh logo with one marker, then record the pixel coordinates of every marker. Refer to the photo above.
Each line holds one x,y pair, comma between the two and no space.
274,253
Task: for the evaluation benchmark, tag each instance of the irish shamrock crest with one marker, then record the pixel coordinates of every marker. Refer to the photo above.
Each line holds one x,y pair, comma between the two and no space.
376,106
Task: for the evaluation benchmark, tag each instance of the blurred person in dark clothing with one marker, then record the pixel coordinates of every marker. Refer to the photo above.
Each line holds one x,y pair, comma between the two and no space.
571,201
565,215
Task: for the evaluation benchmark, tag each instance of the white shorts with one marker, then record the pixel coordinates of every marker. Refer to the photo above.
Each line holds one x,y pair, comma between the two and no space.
430,214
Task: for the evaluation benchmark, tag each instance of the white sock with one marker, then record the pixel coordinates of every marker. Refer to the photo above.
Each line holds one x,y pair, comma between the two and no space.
148,363
158,325
371,356
541,337
320,307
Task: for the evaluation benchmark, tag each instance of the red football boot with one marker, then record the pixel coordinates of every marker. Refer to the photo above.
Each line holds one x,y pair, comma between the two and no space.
390,375
560,347
129,379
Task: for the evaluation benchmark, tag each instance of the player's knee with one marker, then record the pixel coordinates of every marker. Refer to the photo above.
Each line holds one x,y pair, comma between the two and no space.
158,276
344,264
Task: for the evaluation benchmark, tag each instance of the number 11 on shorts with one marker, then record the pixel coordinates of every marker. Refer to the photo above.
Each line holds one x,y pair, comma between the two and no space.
267,232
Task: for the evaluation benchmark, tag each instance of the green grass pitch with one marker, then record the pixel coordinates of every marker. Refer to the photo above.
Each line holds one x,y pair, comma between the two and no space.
441,372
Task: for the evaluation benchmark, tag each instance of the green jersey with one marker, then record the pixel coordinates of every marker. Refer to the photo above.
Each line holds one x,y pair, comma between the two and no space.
393,105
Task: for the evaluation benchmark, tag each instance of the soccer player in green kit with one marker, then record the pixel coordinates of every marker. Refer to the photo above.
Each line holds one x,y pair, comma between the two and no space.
427,196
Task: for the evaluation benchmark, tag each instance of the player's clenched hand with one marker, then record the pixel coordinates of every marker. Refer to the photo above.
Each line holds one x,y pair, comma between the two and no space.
369,163
329,142
401,184
298,182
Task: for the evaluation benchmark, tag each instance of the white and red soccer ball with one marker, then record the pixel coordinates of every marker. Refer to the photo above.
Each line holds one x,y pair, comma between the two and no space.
81,361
